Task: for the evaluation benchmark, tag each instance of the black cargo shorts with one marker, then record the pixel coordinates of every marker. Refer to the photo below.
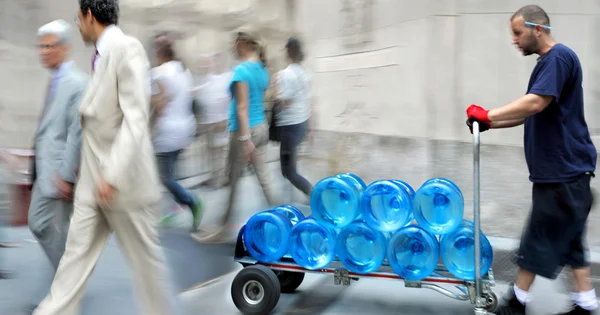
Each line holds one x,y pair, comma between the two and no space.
554,235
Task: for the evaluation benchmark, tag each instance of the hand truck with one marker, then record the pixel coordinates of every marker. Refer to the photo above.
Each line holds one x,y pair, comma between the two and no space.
257,287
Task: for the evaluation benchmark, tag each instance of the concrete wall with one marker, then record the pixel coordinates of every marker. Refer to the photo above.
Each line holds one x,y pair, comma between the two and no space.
425,61
391,84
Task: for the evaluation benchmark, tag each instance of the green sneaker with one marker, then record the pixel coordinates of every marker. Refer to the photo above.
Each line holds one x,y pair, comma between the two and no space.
197,212
168,220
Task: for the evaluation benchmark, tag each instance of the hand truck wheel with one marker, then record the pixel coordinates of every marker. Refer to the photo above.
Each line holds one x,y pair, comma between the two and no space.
255,290
289,280
491,301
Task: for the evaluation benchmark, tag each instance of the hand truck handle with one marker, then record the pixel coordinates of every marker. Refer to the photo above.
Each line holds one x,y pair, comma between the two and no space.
476,210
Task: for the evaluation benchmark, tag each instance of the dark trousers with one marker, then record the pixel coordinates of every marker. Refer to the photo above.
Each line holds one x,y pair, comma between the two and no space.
291,137
554,235
166,166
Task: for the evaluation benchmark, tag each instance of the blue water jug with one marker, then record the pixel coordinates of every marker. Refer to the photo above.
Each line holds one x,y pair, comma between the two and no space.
267,235
413,253
386,205
458,252
353,179
408,188
335,201
361,248
404,185
291,212
438,206
312,244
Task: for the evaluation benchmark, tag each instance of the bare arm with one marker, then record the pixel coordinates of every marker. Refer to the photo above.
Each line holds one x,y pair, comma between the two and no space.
521,108
507,123
158,102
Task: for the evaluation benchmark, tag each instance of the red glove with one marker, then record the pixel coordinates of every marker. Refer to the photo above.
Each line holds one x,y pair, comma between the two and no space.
478,113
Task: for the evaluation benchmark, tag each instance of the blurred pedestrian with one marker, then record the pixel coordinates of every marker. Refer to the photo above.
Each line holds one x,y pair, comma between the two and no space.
173,121
561,159
57,146
247,123
214,98
118,188
291,120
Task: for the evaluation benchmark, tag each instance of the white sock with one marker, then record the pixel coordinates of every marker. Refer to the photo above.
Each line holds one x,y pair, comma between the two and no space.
522,296
586,300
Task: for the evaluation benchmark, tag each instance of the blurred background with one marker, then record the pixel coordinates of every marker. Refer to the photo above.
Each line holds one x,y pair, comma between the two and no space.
391,82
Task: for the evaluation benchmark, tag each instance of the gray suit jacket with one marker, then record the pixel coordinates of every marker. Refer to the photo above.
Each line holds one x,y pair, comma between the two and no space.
58,138
115,118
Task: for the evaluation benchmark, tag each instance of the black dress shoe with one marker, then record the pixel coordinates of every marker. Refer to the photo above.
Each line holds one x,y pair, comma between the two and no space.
513,307
577,310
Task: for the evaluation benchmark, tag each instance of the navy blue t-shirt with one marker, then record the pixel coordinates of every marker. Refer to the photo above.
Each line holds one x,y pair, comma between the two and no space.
558,146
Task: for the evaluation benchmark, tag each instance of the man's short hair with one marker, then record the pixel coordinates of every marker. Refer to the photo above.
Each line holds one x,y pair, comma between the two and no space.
533,13
105,11
58,28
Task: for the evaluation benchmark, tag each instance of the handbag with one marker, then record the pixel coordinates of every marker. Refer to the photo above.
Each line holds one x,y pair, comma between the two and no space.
274,130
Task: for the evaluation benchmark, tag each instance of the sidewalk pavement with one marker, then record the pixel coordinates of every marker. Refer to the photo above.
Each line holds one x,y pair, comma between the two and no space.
203,274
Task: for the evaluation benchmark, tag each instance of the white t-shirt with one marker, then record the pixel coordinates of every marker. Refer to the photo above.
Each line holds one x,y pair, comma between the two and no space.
214,97
176,126
293,84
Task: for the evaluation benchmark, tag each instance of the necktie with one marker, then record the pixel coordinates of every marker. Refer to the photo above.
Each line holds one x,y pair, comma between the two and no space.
94,61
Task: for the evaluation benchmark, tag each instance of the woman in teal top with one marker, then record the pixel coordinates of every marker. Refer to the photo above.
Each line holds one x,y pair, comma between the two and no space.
247,122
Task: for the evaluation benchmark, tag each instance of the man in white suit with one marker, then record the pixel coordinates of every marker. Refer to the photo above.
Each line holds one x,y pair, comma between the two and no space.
57,144
118,188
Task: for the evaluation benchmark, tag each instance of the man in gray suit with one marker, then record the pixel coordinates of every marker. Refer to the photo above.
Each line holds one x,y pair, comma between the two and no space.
57,142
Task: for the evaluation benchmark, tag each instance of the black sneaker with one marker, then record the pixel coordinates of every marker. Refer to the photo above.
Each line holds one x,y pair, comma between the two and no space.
512,307
577,310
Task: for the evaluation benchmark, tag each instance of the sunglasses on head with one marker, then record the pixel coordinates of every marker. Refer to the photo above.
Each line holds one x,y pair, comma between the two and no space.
540,25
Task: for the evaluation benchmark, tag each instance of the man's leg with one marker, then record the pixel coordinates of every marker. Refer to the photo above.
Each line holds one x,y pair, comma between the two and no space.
538,253
136,230
49,223
86,240
578,200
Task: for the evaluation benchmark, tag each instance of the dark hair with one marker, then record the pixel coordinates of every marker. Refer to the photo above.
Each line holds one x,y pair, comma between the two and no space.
294,50
533,13
105,11
163,44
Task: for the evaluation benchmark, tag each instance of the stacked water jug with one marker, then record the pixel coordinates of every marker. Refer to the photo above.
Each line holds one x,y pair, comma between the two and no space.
365,225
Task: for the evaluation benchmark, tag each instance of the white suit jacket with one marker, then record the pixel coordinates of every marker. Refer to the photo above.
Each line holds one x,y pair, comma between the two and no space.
116,140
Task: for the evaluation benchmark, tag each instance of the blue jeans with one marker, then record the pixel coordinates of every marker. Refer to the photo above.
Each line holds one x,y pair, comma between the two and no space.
291,137
166,165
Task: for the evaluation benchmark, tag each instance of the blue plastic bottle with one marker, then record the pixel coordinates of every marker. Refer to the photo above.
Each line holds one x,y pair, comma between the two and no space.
291,212
404,185
267,235
413,253
438,206
386,205
353,179
360,248
335,201
312,244
458,252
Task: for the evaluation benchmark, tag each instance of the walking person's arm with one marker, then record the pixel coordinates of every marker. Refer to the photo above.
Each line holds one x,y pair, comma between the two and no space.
132,78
